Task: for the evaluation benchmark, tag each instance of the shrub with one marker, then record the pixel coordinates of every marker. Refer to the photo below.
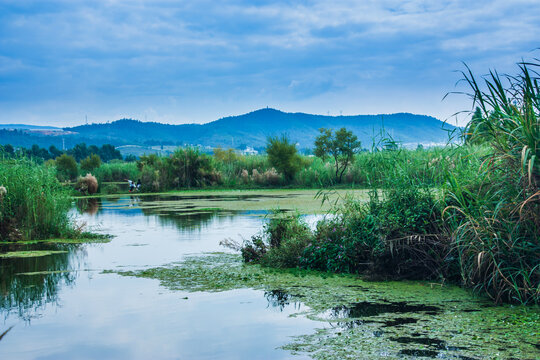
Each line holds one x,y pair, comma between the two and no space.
87,185
280,244
66,167
90,163
283,156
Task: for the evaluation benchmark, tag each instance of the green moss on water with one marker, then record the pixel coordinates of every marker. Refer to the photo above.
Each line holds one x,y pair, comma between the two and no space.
93,240
369,320
28,254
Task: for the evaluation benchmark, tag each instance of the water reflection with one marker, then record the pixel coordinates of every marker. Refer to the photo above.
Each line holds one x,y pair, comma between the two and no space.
88,205
29,283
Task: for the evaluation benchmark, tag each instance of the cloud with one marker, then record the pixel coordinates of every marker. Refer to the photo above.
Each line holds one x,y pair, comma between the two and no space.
90,53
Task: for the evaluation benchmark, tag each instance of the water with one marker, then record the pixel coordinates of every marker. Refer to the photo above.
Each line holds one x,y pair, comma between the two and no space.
85,314
63,306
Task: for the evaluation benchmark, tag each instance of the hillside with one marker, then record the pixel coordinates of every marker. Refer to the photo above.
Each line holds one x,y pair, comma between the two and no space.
251,129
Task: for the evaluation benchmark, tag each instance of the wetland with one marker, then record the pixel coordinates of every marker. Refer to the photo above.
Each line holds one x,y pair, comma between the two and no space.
163,287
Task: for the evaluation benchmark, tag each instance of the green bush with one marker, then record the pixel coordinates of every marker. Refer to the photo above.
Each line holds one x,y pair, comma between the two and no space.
283,156
280,244
90,163
66,167
396,235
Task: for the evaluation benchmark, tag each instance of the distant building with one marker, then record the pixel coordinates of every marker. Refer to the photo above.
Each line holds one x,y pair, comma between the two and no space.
249,151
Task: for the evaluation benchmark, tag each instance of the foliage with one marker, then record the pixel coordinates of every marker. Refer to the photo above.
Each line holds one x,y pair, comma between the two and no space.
90,163
35,205
185,168
116,170
397,235
283,156
496,219
66,167
341,146
280,244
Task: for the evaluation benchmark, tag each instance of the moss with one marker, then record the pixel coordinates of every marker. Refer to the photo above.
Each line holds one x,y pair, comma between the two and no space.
27,254
303,201
96,239
369,319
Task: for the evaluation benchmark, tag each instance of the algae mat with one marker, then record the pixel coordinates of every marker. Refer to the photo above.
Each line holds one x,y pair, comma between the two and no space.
303,201
370,320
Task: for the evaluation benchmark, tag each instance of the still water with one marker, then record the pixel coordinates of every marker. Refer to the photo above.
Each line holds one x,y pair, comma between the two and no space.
74,311
64,306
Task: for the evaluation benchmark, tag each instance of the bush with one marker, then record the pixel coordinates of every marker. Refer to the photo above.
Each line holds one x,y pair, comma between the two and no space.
396,235
90,163
87,185
111,189
66,167
283,156
280,244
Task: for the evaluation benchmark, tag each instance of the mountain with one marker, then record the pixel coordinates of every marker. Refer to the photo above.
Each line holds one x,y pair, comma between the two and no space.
251,129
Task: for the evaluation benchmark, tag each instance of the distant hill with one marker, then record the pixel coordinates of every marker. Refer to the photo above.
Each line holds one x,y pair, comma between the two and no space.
27,127
252,129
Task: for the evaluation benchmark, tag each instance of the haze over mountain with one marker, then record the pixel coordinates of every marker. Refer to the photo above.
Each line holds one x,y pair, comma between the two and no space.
252,129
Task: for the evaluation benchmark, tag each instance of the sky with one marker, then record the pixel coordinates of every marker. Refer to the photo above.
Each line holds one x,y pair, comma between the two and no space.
65,61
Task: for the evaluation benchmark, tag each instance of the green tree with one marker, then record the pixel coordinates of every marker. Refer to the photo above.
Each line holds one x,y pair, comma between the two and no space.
66,167
54,151
108,152
283,156
90,163
340,146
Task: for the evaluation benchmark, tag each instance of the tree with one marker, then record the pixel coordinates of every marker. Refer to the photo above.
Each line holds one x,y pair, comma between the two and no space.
283,156
341,146
66,167
108,152
90,163
54,151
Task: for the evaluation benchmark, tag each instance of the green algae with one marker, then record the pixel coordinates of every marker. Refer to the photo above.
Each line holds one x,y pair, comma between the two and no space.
369,320
31,253
93,240
303,201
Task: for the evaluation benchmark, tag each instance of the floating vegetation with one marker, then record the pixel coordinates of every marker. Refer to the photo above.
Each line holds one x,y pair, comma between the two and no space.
368,320
92,240
31,253
304,201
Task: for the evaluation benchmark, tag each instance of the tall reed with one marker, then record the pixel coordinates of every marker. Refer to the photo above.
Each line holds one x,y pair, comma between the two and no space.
34,205
496,219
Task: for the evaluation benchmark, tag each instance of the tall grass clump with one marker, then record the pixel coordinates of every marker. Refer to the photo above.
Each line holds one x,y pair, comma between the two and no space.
496,218
33,204
116,170
185,168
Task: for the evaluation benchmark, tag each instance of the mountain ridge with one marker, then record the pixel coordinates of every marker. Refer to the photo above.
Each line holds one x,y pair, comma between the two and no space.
253,128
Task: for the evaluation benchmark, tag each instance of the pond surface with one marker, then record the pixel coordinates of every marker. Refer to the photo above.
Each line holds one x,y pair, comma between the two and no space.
78,303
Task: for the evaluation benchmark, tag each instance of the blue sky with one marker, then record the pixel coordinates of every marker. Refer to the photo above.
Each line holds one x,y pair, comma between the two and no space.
196,61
